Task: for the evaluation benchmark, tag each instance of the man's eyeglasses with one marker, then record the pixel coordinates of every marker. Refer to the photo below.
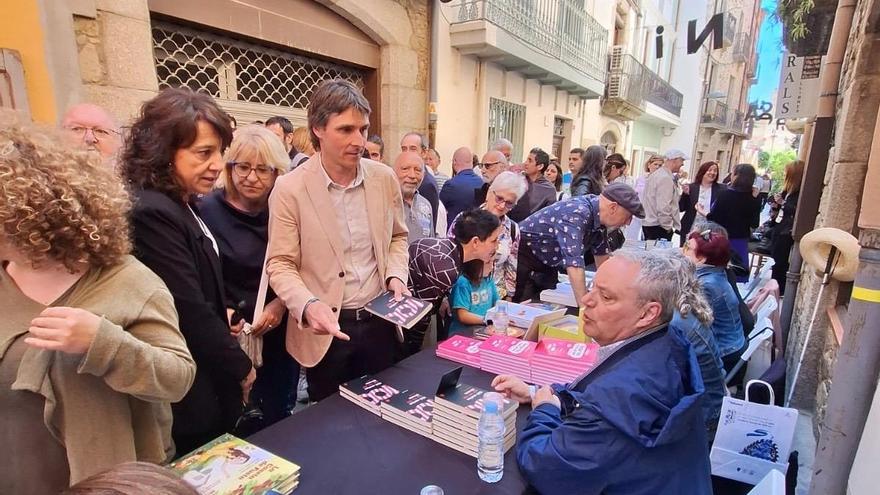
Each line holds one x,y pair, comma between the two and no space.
99,132
244,169
488,165
507,204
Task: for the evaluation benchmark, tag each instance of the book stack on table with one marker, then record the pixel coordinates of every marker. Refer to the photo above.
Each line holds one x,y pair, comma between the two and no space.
506,355
368,392
410,410
461,349
231,465
456,417
561,361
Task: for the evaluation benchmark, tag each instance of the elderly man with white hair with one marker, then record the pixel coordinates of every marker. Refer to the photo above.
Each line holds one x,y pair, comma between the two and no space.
504,146
633,424
410,171
506,189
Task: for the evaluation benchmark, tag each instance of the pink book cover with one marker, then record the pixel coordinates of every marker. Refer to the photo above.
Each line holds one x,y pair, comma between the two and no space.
565,353
459,344
510,347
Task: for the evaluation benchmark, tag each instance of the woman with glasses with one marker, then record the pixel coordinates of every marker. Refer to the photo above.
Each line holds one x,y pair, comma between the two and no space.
505,191
237,213
174,154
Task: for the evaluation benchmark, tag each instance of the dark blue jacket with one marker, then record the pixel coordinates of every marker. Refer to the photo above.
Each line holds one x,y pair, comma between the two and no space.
428,189
633,426
457,194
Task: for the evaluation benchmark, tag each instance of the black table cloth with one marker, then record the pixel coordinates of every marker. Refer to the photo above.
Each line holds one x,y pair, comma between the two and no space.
344,449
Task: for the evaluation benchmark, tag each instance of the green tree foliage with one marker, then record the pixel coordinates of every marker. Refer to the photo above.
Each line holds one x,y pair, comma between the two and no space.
776,162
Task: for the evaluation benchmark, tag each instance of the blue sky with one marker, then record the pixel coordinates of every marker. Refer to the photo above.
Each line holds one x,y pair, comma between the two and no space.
770,50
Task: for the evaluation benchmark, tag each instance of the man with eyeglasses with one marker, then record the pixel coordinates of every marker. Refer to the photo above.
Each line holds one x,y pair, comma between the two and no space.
92,128
559,235
493,163
457,194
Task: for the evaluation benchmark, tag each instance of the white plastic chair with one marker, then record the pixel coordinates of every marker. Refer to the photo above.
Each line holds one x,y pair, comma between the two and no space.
762,334
772,484
764,311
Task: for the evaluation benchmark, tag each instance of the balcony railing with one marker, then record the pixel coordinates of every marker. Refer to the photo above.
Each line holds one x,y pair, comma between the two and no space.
558,28
662,94
631,84
717,115
742,48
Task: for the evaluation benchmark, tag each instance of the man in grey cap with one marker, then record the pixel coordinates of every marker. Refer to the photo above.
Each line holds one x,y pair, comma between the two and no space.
558,235
661,198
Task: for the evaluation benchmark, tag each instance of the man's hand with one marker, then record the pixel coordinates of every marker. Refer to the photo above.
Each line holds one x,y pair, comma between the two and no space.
247,384
70,330
545,395
238,327
399,289
270,318
322,320
578,280
512,387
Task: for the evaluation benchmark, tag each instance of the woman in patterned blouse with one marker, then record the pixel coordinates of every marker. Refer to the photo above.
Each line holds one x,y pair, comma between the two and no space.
505,191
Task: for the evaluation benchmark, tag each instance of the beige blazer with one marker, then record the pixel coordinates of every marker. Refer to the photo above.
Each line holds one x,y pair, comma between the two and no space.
304,256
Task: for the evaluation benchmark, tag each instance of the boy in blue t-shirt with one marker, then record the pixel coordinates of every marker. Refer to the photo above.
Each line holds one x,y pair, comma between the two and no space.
473,294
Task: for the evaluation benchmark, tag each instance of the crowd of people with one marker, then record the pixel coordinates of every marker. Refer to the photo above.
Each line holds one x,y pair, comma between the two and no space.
137,263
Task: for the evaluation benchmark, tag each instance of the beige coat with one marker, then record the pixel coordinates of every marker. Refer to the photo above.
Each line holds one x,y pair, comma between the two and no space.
305,248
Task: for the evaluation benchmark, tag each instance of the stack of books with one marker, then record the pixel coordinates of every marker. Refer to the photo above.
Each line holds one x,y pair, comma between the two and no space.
561,361
457,415
368,392
506,355
460,349
410,410
230,465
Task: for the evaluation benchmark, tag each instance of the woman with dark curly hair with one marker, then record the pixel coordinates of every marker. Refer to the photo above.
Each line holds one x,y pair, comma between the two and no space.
173,154
90,351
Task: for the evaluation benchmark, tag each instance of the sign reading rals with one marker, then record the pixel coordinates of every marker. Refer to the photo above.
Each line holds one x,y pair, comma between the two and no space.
798,93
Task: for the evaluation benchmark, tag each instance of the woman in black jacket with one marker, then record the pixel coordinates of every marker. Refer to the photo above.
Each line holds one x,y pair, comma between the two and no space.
738,210
174,153
781,240
590,178
698,197
238,215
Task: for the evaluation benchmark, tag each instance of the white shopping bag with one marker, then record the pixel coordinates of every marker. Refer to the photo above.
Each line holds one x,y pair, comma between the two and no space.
752,439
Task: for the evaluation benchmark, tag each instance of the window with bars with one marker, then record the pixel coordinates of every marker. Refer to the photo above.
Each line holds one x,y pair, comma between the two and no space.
507,120
230,69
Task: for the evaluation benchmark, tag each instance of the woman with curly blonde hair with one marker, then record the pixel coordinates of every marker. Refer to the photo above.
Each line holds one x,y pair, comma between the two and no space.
90,352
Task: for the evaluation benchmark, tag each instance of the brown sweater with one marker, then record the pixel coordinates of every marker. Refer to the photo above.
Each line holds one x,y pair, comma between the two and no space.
111,405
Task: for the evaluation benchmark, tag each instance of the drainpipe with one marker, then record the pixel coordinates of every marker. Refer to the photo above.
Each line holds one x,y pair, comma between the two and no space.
858,360
817,159
432,93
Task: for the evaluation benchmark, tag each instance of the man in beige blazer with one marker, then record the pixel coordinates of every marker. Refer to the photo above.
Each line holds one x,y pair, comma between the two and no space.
337,239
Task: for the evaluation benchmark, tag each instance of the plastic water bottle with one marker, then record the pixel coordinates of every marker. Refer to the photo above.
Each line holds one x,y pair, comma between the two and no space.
490,452
499,319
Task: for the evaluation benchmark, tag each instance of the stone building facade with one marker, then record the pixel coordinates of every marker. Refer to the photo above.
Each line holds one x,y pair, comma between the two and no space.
258,58
845,197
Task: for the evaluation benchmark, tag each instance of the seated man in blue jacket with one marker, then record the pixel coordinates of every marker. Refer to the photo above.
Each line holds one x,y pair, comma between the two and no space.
633,424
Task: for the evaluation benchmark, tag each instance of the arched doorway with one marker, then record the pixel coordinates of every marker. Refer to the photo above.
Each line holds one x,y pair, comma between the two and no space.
609,141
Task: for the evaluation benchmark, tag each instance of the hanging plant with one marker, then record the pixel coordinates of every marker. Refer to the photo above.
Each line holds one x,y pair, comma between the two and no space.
793,14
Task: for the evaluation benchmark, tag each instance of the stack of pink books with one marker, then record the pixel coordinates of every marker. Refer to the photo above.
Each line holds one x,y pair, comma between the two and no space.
507,355
461,349
561,361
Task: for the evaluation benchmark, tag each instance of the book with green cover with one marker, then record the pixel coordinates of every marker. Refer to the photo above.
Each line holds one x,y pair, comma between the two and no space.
231,465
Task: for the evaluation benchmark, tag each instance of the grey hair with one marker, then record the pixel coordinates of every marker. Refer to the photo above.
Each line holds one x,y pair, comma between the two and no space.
500,143
423,141
710,226
668,278
510,181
